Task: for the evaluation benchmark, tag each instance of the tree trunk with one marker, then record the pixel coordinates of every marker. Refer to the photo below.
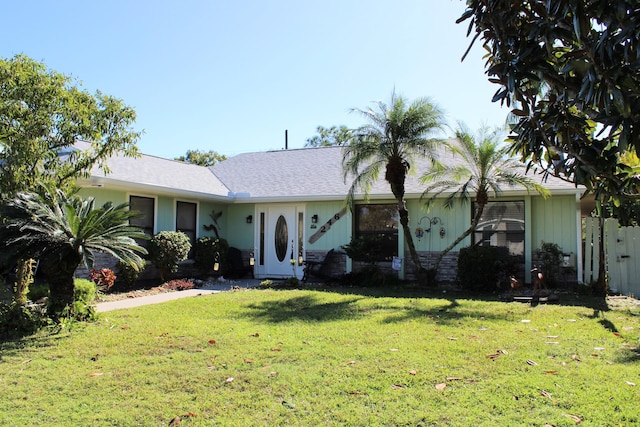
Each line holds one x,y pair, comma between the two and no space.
408,237
59,271
600,287
468,231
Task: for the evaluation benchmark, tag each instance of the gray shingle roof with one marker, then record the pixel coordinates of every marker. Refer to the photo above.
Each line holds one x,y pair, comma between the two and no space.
316,173
299,174
161,175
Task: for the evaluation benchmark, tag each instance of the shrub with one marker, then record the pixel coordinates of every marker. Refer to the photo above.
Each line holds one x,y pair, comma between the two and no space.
18,320
103,278
84,295
179,285
549,255
367,249
167,249
38,291
482,268
127,273
205,252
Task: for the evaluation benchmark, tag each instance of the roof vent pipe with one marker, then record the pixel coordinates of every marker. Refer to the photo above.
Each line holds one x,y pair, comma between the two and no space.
286,139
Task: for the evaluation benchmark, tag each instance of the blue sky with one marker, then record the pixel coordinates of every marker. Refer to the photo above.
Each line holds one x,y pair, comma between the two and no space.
232,76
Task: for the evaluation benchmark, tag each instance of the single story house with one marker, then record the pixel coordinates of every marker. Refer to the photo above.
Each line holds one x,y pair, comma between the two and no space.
284,207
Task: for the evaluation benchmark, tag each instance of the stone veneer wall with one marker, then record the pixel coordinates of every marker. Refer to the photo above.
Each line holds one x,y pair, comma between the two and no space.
447,271
337,266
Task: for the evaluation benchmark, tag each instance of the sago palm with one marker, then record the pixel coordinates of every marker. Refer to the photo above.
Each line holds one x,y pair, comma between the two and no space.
62,232
484,168
394,137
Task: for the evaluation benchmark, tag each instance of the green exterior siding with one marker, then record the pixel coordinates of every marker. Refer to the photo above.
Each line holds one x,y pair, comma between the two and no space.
338,235
554,221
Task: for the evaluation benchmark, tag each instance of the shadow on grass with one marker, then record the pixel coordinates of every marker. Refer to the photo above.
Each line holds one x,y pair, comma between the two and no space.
409,306
11,345
308,308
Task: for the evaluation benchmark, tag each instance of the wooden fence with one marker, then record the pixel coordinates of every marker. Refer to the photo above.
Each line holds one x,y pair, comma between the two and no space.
621,253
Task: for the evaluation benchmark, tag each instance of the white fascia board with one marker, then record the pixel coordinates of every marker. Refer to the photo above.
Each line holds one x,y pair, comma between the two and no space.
113,184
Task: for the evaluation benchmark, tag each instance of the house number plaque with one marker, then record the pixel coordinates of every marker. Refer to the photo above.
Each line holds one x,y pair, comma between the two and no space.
324,228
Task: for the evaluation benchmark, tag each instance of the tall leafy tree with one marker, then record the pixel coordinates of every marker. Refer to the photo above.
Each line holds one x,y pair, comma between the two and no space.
396,134
568,69
42,114
484,166
64,231
202,158
329,137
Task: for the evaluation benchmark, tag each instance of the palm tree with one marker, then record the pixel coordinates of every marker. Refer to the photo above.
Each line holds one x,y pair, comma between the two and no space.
393,138
485,167
64,231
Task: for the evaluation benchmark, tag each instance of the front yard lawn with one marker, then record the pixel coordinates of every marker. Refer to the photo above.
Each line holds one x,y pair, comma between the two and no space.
323,358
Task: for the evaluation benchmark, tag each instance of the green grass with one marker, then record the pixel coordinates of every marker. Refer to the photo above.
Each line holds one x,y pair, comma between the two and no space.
313,358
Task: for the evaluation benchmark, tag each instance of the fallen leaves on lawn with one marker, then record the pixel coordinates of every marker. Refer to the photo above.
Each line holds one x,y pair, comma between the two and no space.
256,335
288,405
575,418
546,394
531,362
96,374
248,361
630,383
441,386
276,349
212,341
413,372
351,362
229,380
398,387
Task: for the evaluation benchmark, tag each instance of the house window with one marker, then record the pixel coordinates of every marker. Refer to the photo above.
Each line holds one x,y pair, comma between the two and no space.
146,207
379,221
186,221
502,225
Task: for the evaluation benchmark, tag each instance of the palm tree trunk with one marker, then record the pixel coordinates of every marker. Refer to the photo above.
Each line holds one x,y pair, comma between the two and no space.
474,224
404,221
59,273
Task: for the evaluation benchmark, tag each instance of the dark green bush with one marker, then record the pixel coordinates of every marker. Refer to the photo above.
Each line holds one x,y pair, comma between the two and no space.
38,291
17,320
483,268
549,258
127,274
366,249
205,252
166,250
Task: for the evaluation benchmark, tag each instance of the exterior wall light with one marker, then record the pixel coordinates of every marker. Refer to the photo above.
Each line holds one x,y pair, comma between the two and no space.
314,219
249,219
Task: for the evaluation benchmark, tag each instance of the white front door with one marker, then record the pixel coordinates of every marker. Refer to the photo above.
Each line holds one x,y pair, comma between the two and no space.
283,240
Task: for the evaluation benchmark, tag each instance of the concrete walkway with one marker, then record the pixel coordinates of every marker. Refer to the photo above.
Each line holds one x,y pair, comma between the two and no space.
213,288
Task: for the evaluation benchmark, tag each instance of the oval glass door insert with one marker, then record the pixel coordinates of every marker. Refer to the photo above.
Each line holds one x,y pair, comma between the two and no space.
281,238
